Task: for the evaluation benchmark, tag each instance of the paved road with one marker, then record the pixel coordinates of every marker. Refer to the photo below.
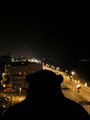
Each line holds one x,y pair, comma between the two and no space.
73,95
14,98
84,91
76,97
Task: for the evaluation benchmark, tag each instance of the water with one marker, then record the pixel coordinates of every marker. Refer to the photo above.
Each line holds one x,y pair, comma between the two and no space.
81,69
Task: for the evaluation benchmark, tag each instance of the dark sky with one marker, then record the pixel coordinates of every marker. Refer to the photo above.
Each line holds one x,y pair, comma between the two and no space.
56,30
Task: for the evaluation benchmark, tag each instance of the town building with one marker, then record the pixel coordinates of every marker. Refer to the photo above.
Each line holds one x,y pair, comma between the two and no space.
18,72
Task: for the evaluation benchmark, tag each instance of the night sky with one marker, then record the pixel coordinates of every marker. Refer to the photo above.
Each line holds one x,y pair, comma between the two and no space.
57,31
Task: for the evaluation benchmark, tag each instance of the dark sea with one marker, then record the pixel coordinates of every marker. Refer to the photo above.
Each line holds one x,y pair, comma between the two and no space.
80,67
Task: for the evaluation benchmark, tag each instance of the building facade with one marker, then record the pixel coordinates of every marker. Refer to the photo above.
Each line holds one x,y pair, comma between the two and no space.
18,72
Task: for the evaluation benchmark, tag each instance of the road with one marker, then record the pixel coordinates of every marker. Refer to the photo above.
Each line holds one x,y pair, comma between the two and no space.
70,94
14,98
84,91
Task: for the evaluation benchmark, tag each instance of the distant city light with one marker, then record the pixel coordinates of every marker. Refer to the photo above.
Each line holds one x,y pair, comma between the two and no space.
34,60
84,60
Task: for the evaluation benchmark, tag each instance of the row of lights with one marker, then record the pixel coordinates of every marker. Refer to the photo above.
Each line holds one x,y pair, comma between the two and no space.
72,74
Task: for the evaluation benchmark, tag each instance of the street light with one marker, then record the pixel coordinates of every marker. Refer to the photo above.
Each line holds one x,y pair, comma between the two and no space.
20,89
4,85
66,71
70,78
73,74
75,81
85,84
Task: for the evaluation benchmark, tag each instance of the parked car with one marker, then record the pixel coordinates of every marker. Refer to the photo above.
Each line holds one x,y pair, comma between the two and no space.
8,90
4,104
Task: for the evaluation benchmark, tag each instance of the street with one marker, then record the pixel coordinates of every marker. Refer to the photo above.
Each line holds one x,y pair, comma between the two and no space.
70,94
73,89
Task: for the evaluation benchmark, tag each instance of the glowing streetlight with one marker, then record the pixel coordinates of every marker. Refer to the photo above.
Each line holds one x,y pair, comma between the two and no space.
66,71
20,89
75,81
73,73
70,78
57,68
4,85
85,84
